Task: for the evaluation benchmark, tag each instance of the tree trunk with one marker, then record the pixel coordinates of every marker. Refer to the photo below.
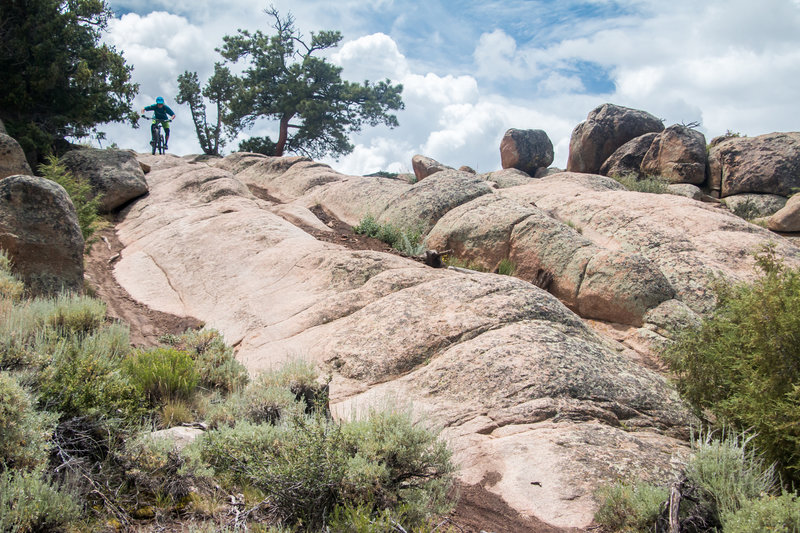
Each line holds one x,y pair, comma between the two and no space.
283,136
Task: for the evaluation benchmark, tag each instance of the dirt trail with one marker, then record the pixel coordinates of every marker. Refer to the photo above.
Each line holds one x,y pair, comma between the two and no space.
478,510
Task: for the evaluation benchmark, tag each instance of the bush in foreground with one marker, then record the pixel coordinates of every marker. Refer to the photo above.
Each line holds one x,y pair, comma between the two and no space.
24,432
308,466
28,503
727,486
742,366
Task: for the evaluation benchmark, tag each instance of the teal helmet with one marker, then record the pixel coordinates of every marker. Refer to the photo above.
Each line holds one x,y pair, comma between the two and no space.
160,100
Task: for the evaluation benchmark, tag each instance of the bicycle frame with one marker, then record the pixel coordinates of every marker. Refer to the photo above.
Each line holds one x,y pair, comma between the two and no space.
157,135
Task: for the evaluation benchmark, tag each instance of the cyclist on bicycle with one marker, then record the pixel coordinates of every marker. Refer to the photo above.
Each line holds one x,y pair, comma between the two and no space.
163,114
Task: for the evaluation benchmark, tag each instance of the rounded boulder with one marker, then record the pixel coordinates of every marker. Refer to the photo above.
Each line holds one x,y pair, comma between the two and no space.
526,150
39,230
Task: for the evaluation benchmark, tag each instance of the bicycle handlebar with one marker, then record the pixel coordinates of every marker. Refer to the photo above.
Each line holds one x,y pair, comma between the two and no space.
154,118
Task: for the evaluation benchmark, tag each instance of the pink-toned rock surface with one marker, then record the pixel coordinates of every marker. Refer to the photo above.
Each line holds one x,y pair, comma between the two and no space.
687,240
788,218
425,166
524,390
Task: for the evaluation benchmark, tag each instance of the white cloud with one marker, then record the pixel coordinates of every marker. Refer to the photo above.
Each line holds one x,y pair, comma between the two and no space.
372,57
734,64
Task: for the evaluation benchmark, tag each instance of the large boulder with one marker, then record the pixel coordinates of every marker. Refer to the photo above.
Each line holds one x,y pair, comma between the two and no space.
678,154
523,388
526,150
425,166
606,128
611,285
115,175
689,242
767,164
39,230
627,159
12,158
788,218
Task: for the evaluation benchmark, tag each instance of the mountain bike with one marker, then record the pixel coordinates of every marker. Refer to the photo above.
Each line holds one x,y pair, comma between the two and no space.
157,141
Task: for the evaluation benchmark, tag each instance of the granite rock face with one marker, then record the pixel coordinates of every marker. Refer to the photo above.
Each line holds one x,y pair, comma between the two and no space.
115,175
606,128
513,375
39,230
526,150
12,158
767,164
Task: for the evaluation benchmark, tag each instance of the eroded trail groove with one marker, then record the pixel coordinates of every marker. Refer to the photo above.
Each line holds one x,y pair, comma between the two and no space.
538,408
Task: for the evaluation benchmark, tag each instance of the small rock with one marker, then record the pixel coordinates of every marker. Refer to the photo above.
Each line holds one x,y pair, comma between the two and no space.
425,166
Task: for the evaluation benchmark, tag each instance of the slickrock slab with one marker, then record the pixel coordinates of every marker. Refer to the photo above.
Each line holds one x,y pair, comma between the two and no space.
524,389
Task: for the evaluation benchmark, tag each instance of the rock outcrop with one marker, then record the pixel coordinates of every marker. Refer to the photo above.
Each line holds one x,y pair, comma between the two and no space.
606,128
12,158
610,285
787,219
524,389
627,159
526,150
767,164
678,154
39,230
425,166
115,175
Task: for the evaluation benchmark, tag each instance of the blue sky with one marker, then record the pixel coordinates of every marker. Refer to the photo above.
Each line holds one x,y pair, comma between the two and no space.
473,69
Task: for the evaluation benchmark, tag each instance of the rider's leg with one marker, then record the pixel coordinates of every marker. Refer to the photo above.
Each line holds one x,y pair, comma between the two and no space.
166,134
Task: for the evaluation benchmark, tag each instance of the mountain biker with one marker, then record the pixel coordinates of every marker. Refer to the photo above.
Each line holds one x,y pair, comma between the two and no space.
163,114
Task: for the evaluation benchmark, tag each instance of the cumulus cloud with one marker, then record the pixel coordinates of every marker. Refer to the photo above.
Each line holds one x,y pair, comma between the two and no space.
732,64
372,57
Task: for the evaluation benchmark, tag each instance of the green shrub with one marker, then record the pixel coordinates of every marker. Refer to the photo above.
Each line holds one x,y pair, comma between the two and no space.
217,366
155,472
507,267
649,184
574,226
630,507
729,471
84,378
79,190
72,314
30,329
29,504
162,374
768,513
11,288
399,464
308,465
24,432
741,365
405,240
257,403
